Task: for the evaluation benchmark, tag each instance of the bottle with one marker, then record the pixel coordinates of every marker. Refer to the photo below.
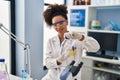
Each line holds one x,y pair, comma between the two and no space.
83,2
88,2
24,75
115,26
3,70
76,2
73,2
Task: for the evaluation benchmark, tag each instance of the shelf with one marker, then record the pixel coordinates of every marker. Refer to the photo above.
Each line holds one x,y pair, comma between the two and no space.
112,61
105,5
104,31
107,69
92,6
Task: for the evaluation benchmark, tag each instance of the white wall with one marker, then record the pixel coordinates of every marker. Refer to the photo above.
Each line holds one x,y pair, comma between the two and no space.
34,35
54,1
29,26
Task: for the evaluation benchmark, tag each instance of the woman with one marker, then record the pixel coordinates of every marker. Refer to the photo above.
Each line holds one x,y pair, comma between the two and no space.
65,46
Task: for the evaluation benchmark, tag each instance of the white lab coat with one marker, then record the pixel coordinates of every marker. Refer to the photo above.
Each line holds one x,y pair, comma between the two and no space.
54,50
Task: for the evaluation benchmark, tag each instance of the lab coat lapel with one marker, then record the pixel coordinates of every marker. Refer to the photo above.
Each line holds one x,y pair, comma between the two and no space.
57,45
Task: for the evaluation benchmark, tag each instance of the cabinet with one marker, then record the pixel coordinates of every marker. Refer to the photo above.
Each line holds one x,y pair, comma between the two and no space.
88,13
102,67
94,66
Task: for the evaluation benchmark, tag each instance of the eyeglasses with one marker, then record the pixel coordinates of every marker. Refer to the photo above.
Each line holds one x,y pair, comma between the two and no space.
58,23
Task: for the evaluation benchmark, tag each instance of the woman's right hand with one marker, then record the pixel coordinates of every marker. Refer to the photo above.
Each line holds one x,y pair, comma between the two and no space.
74,35
62,57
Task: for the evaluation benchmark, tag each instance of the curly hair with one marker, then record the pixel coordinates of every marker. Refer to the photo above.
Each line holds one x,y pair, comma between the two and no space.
54,10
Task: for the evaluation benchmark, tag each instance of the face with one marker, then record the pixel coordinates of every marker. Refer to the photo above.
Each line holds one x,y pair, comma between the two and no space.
60,24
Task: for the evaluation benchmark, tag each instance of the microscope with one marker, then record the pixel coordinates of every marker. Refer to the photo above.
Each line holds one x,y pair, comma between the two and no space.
70,71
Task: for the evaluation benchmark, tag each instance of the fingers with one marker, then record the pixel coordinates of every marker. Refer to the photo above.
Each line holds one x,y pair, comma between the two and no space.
67,35
73,35
63,57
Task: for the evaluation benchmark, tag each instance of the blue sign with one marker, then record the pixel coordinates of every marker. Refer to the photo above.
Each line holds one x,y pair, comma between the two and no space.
77,18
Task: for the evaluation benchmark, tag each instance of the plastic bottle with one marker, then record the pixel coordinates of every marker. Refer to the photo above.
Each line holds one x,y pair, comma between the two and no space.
24,75
97,76
3,70
108,27
115,26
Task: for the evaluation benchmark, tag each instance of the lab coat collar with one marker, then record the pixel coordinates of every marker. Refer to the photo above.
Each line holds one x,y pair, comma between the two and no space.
56,40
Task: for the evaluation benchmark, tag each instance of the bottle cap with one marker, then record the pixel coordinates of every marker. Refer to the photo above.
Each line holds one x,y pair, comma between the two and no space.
2,60
23,70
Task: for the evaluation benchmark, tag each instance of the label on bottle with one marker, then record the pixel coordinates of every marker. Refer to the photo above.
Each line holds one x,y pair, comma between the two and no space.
3,75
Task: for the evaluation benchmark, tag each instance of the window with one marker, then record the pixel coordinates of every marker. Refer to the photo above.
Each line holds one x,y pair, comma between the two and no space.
4,39
7,46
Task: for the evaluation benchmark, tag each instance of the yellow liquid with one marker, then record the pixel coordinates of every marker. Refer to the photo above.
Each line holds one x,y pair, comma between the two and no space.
72,53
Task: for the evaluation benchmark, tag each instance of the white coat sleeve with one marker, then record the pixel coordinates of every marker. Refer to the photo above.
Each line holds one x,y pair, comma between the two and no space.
50,61
90,44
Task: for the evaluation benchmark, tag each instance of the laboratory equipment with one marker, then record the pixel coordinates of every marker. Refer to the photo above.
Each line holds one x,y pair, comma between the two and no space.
65,74
3,70
70,71
24,75
107,41
115,26
75,69
112,26
26,47
95,25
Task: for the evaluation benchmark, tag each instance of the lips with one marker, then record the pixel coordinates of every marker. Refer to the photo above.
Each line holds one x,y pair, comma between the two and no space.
60,30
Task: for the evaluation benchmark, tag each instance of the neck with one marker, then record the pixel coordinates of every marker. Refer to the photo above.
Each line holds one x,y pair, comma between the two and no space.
61,36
